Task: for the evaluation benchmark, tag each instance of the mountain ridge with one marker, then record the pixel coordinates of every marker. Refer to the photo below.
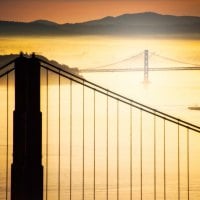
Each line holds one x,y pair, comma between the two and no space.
127,24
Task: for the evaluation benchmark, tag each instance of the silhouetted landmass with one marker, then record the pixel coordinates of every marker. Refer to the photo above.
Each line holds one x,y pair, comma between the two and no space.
4,59
146,24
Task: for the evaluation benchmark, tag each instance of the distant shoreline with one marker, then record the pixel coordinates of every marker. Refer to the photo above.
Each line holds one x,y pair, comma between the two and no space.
139,36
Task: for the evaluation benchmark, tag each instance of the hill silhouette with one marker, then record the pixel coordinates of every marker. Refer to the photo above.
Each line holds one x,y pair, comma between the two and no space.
127,24
4,59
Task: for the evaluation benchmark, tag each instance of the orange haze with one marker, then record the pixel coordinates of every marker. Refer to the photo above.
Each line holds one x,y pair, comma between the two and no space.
77,11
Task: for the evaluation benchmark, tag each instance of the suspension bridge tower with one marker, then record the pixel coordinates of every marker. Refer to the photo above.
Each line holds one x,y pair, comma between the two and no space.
146,66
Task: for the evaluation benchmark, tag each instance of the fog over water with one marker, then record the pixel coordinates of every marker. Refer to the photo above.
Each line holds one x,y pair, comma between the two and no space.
169,91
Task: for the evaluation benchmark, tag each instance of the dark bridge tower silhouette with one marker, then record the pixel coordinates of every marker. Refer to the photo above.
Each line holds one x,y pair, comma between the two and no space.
27,170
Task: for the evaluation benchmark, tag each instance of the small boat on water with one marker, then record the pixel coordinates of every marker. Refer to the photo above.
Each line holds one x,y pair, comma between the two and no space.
194,107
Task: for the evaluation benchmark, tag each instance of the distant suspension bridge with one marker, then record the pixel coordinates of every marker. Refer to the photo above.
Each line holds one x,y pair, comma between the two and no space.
151,62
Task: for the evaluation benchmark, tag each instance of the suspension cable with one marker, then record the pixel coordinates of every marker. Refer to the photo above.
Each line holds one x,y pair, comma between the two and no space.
131,153
83,183
175,60
94,187
164,141
70,140
47,129
141,156
123,99
178,162
107,149
155,159
188,164
59,159
7,136
118,62
117,150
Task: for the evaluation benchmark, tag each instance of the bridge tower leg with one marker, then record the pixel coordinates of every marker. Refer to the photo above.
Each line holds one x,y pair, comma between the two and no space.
146,66
26,169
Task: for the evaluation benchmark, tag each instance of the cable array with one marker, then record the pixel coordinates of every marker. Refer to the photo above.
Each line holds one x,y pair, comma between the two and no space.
128,125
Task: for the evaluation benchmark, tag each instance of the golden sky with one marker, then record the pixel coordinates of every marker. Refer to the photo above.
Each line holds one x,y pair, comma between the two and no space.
63,11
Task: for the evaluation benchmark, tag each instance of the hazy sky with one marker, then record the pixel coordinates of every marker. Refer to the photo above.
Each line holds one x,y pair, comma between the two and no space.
63,11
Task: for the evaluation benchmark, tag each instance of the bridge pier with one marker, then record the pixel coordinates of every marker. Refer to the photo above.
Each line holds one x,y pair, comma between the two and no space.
26,169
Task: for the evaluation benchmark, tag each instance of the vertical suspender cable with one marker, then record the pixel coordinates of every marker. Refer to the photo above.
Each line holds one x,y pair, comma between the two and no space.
117,150
47,128
83,183
59,138
141,157
178,162
164,145
155,189
107,143
188,164
131,153
7,139
94,187
70,176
